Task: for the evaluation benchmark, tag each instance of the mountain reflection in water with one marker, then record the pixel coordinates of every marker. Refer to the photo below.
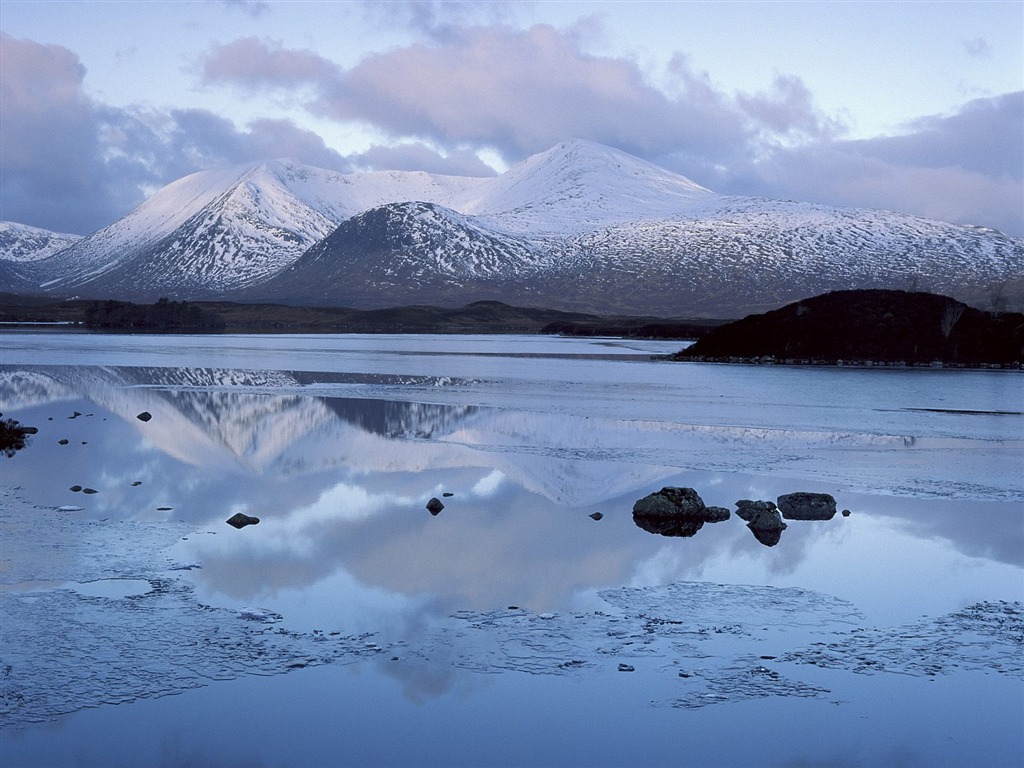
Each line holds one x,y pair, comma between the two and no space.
536,567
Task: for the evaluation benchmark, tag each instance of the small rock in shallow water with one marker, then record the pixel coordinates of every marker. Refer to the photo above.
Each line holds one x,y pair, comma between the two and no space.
447,494
435,505
627,668
89,490
75,488
144,416
596,516
846,513
238,520
63,441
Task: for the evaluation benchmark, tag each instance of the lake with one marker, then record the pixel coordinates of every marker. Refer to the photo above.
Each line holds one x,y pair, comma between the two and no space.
530,622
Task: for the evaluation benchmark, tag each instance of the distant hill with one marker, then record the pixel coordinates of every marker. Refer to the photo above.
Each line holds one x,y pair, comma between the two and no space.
870,325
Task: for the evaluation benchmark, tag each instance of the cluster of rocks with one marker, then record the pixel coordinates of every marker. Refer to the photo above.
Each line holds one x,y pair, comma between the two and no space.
681,512
13,436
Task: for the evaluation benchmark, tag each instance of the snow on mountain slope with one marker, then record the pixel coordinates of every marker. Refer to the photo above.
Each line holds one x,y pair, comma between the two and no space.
401,247
580,184
19,242
214,231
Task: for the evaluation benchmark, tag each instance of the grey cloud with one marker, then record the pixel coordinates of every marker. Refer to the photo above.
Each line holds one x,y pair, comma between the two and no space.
977,47
835,175
419,157
253,8
788,109
966,168
70,164
518,91
985,136
253,63
197,139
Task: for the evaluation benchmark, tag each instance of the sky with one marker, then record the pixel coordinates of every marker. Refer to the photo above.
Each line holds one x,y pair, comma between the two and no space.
916,107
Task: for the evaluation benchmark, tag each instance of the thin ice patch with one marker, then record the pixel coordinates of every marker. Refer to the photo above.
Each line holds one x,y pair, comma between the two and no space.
100,651
986,636
64,649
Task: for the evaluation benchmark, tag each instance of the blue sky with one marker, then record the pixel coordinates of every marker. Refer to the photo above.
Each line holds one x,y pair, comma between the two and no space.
911,106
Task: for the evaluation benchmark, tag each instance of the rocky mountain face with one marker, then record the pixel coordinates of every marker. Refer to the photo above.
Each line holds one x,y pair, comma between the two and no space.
579,227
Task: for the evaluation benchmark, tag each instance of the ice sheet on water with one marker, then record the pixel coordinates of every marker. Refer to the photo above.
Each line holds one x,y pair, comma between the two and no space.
985,636
64,650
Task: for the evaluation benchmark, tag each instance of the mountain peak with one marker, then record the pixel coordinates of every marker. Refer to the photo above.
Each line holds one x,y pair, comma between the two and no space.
584,182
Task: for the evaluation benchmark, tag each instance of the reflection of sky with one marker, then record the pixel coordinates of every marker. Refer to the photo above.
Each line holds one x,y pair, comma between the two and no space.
340,485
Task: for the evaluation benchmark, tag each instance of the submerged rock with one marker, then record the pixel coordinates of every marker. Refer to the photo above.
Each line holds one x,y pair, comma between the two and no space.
767,526
238,520
748,510
435,506
144,416
807,506
675,512
596,515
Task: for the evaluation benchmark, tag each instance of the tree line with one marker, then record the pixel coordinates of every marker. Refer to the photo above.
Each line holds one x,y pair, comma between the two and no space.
165,315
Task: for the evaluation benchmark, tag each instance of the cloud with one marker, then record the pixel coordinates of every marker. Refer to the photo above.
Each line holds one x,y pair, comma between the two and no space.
789,109
51,153
254,64
984,136
520,92
966,168
419,157
977,48
71,164
252,8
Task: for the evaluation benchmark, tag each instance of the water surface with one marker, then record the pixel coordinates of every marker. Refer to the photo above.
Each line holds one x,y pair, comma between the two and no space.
352,626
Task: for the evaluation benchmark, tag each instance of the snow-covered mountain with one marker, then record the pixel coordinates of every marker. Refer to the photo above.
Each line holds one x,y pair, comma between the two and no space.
215,231
581,226
20,246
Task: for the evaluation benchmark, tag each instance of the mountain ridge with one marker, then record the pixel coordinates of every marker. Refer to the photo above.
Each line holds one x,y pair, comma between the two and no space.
579,227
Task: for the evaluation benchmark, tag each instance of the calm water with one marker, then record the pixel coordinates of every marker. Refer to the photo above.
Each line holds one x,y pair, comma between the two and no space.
352,627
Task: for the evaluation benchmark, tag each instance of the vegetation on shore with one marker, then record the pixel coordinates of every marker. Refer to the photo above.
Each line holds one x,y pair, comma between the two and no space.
165,315
479,317
869,326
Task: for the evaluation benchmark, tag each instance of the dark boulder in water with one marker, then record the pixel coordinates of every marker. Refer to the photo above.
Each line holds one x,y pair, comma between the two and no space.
767,527
238,520
807,506
435,506
748,510
675,512
144,416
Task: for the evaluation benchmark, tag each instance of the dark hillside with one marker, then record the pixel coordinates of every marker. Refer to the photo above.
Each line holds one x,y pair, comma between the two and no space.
876,325
478,317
